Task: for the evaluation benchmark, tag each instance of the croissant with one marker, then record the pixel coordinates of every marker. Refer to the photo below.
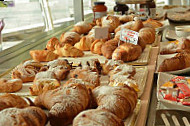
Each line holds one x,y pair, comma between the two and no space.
53,44
85,43
147,34
112,22
96,47
11,100
70,38
30,116
64,103
152,23
126,18
97,117
69,51
121,101
10,85
82,27
43,55
108,48
127,52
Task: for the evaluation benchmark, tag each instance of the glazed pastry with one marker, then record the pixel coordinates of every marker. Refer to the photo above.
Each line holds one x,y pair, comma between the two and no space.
86,75
97,117
82,27
126,18
11,100
112,22
43,55
64,103
127,52
69,51
108,48
96,47
10,85
42,85
152,23
53,44
85,43
147,35
121,101
30,116
70,38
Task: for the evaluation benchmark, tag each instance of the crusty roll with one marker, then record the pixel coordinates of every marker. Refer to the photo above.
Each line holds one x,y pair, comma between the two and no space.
30,116
43,55
112,22
70,38
69,51
147,34
126,18
53,44
97,117
82,27
108,48
121,101
10,85
11,100
64,103
127,52
85,43
96,46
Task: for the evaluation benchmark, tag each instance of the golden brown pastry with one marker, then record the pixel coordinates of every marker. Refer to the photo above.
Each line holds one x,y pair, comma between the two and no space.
70,38
53,44
96,46
30,116
10,85
147,34
64,103
86,75
85,43
11,100
112,22
152,23
97,117
82,27
69,51
108,48
44,75
31,64
43,55
126,18
121,101
127,52
110,65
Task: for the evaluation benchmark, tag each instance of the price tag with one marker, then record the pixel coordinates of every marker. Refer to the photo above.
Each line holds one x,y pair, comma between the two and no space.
101,33
129,36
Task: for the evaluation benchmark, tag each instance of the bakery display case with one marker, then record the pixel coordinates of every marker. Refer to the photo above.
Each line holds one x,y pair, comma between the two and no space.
95,72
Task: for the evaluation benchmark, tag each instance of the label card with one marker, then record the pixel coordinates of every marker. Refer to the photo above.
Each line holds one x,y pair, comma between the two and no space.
129,36
101,33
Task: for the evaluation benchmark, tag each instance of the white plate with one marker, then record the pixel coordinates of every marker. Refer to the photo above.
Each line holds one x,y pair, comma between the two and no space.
171,35
165,24
163,78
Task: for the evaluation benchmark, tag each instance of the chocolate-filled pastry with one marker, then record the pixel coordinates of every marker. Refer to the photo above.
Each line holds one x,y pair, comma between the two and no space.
70,38
127,52
11,100
53,44
120,100
64,103
97,117
10,85
82,27
108,48
43,55
69,51
30,116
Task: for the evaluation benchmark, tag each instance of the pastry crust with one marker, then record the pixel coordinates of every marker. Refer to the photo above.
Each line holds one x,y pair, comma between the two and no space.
152,23
96,46
147,35
10,85
112,22
53,44
69,51
85,43
70,38
127,52
97,117
11,100
82,27
43,55
126,18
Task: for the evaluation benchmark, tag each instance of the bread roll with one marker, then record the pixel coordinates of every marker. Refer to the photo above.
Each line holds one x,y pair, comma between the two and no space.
82,27
70,38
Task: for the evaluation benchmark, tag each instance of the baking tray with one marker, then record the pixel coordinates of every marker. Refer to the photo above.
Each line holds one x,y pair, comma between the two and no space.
162,78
